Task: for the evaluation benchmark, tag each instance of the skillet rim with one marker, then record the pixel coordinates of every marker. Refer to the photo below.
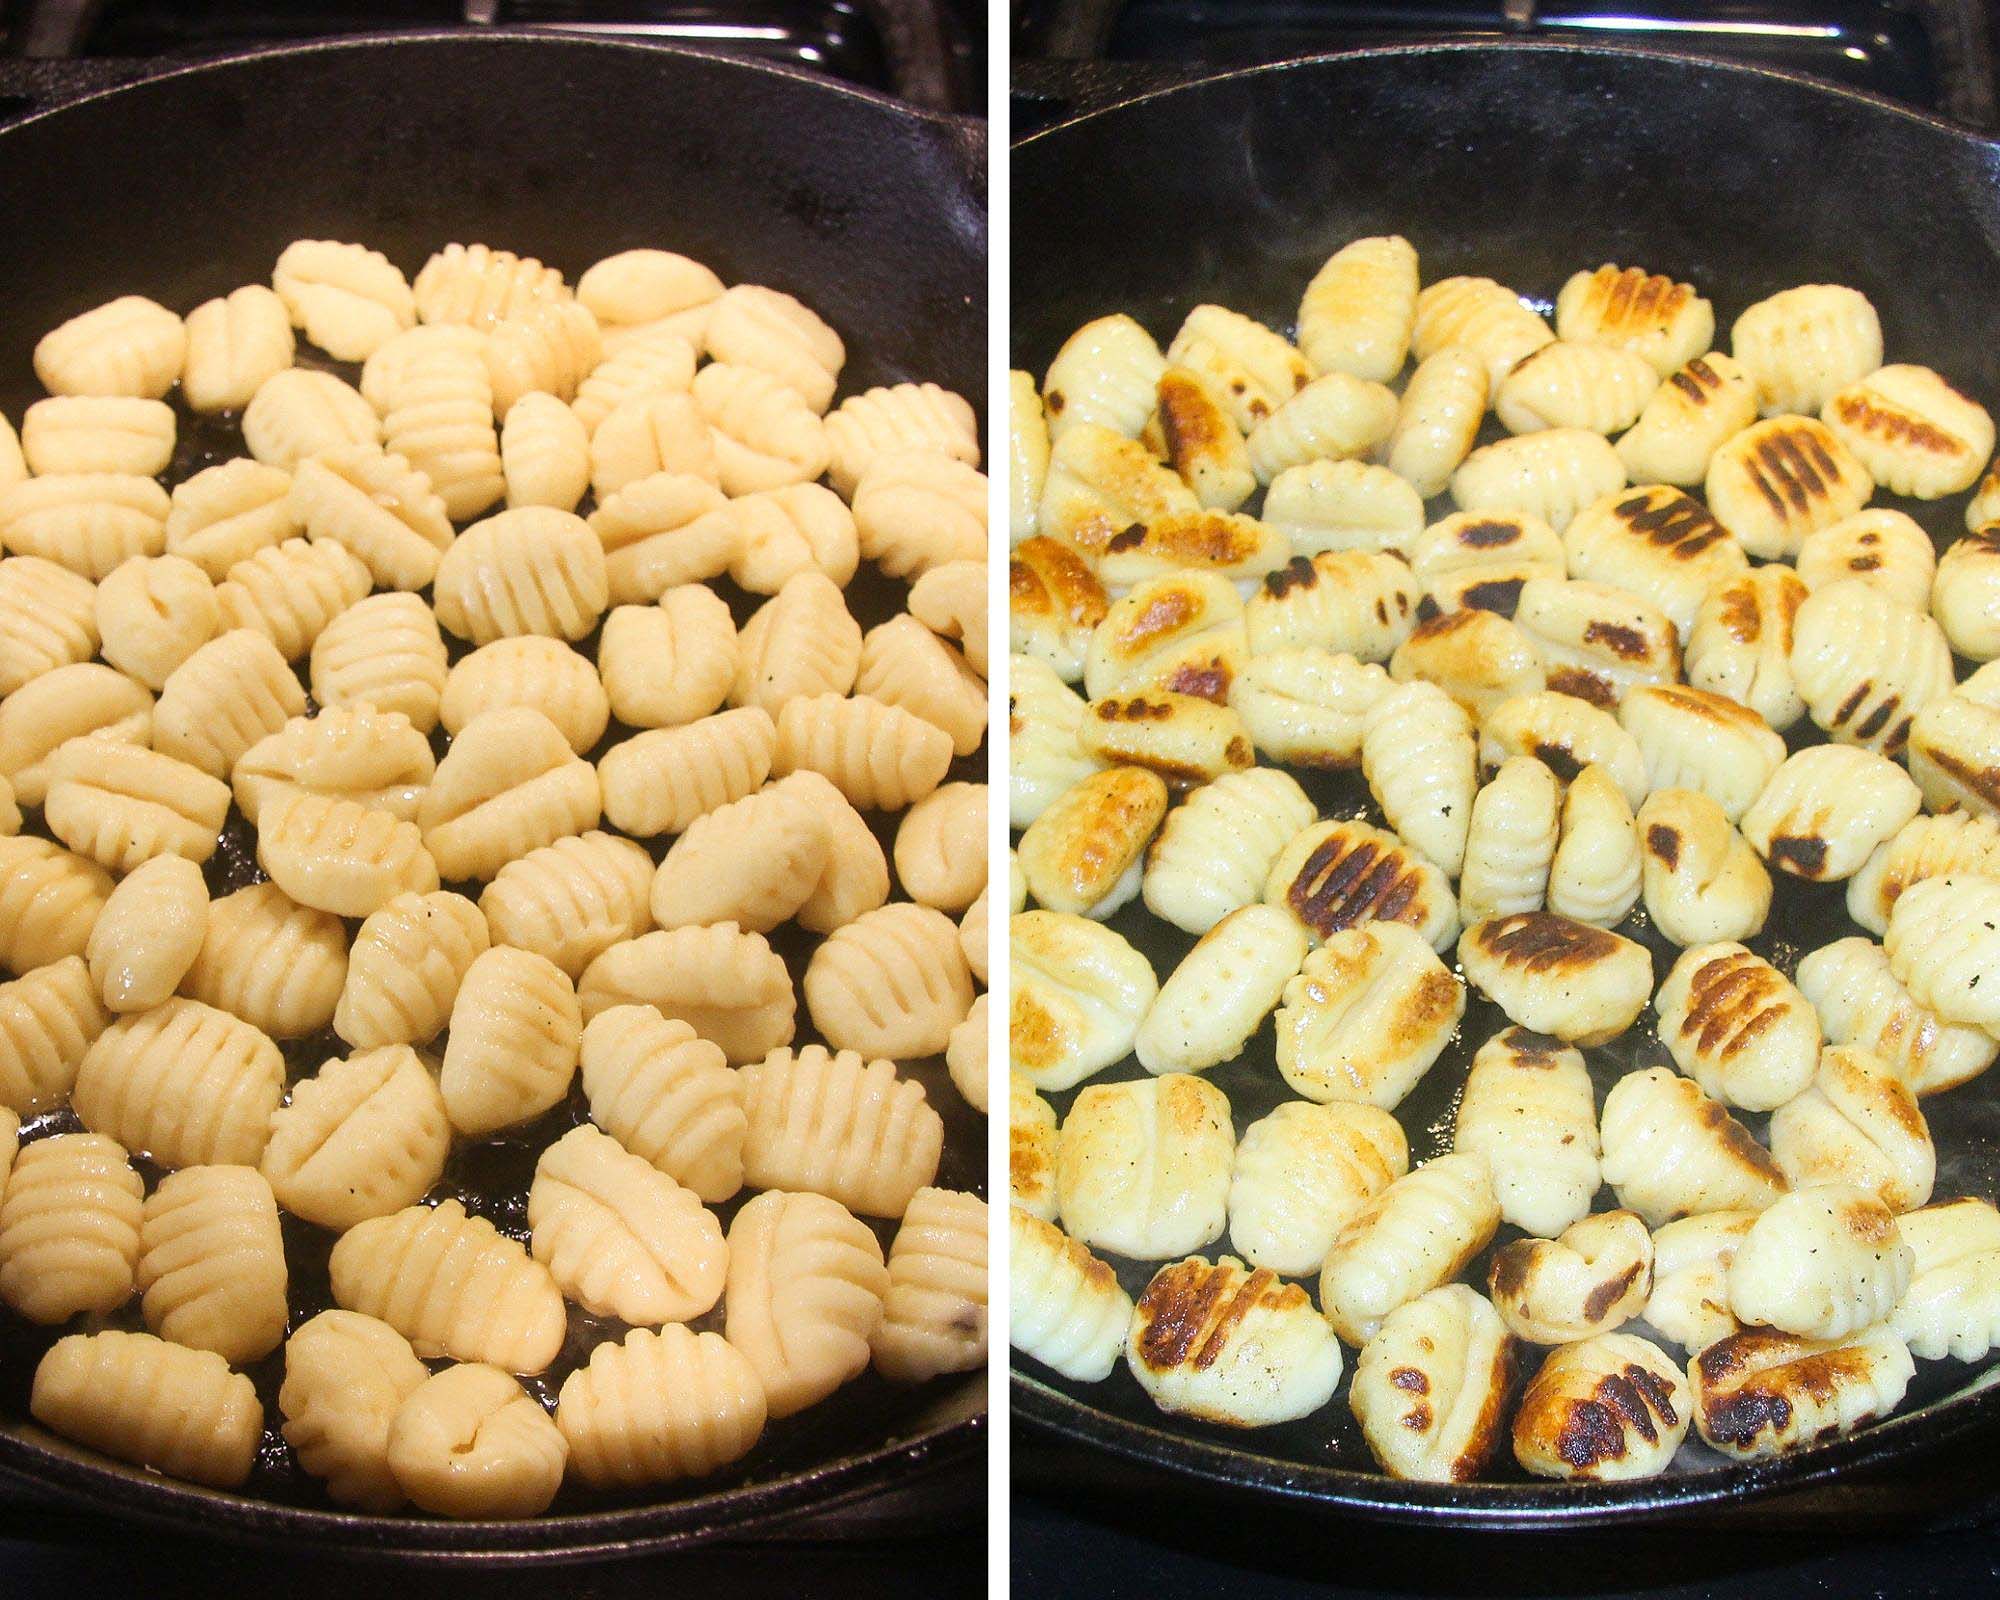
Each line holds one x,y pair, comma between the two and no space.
1525,47
516,34
1491,1505
1376,1496
82,1481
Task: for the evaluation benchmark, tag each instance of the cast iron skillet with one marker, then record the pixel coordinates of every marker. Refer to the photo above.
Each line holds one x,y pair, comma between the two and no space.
187,185
1525,163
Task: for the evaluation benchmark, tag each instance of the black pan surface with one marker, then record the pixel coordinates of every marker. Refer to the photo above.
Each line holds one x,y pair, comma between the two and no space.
184,187
1524,163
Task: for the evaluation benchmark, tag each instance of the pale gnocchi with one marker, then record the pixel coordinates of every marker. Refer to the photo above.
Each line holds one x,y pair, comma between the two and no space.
327,782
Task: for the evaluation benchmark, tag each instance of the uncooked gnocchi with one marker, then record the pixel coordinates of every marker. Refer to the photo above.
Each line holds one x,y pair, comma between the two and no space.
328,780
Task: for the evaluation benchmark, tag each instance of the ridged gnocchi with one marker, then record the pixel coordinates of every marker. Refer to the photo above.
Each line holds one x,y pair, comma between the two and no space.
1578,983
1708,399
1671,1151
1949,1307
619,1236
724,982
1702,880
1366,1015
1914,433
1866,664
453,1285
804,1297
1629,308
667,1094
1481,558
840,1125
212,1263
1529,1111
346,1376
1861,1002
660,1406
1066,1308
1762,1392
1734,1024
1230,1345
1414,1236
160,1405
934,1315
1209,1006
1551,475
1741,643
70,1228
1825,810
1778,482
1609,1408
1337,875
1079,992
1172,1202
1857,1123
1801,345
365,1136
1430,1389
1482,316
1302,1173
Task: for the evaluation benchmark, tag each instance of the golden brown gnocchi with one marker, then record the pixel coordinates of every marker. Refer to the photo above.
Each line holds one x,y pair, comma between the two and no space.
1734,1024
1578,983
1227,1344
1172,1201
1430,1390
1763,1392
1608,1408
1590,1279
1366,1015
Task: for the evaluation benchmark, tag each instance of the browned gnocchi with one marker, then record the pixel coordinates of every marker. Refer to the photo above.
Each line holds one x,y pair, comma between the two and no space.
1617,833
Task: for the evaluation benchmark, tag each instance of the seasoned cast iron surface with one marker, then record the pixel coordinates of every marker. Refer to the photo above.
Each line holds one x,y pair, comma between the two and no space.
187,187
1524,164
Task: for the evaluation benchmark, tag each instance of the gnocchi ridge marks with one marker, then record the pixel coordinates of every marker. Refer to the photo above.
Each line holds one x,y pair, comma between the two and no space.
1189,1312
1756,1407
1733,999
1540,942
1594,1432
1791,468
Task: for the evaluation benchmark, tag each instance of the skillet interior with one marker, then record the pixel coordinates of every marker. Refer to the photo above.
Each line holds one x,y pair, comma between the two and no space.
1524,163
187,186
